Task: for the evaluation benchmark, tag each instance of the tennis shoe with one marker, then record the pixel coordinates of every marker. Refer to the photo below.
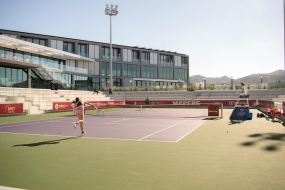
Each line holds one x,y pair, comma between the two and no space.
74,125
84,132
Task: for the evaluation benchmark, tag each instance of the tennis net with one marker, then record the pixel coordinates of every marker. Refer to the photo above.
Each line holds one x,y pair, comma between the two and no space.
205,110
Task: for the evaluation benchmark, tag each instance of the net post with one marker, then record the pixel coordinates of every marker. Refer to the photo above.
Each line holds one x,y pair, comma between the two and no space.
141,108
222,111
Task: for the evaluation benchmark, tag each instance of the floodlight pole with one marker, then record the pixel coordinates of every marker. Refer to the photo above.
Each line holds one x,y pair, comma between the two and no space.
111,12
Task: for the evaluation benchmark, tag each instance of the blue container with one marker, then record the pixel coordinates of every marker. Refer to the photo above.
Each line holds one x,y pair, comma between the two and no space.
248,116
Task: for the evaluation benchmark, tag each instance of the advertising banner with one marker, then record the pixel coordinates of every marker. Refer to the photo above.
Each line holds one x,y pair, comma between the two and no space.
228,103
13,108
64,106
265,104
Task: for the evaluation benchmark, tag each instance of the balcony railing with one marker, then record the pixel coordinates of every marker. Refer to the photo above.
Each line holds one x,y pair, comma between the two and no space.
166,63
45,65
135,60
107,57
145,61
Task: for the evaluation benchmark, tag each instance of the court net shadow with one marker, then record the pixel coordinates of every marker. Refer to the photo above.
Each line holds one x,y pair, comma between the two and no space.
233,122
275,140
52,142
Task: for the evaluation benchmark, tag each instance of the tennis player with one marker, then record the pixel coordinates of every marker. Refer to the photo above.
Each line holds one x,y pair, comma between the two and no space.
79,107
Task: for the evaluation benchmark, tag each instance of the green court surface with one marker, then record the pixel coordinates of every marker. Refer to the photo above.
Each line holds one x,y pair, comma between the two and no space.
217,155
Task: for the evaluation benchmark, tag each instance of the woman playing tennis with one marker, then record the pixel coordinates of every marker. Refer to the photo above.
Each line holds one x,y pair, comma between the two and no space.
79,110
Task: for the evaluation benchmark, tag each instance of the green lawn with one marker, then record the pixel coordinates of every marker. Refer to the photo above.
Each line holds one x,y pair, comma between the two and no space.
250,156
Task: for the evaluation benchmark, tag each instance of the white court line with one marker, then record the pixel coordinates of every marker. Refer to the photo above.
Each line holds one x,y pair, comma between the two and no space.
86,122
135,117
163,129
167,128
20,124
190,131
80,136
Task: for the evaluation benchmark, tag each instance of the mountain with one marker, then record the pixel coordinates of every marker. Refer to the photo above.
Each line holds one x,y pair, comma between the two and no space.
273,77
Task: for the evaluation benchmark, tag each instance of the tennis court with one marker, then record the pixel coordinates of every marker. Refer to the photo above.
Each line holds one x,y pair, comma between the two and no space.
147,124
210,154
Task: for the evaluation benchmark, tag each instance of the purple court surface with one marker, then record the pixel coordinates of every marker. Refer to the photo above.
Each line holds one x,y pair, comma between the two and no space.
164,125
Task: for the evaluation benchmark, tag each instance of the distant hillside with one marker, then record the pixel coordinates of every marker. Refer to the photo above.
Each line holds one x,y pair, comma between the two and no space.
273,77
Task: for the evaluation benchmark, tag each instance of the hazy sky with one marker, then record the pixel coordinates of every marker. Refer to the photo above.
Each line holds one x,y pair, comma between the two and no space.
222,37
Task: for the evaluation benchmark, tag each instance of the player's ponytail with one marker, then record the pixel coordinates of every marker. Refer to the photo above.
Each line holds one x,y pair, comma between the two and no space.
76,100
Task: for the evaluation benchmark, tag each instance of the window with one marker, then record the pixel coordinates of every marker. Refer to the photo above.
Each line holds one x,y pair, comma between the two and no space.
83,50
145,57
149,72
165,60
130,70
166,73
106,53
116,69
181,74
183,62
68,47
135,56
34,40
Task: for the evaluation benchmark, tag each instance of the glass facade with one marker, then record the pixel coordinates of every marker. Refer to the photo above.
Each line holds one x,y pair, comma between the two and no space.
38,41
145,57
31,58
83,83
68,47
106,82
149,72
106,53
130,70
165,73
83,50
142,63
180,74
135,56
165,60
116,69
13,77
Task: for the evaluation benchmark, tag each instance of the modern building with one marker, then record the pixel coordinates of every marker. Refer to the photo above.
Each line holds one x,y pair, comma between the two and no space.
42,61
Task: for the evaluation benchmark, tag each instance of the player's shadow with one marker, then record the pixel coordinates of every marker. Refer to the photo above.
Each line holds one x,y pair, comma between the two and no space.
275,139
52,142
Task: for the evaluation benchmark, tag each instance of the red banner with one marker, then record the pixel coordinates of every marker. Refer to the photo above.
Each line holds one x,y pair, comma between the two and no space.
265,104
13,108
63,106
283,109
227,103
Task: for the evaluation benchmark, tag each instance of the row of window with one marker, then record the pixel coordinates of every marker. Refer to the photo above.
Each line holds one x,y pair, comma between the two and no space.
7,53
17,77
83,51
129,70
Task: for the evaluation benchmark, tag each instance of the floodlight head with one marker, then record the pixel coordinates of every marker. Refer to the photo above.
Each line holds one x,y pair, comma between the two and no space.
107,5
112,6
117,6
107,11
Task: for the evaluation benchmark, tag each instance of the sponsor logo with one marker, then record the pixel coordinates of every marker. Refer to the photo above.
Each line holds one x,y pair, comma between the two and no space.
56,106
186,102
10,109
231,103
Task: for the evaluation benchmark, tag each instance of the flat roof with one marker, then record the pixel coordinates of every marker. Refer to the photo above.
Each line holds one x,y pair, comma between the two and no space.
98,42
21,45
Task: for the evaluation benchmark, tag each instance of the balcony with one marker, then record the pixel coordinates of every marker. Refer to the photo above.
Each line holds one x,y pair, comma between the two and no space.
107,57
44,64
145,61
135,60
166,63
